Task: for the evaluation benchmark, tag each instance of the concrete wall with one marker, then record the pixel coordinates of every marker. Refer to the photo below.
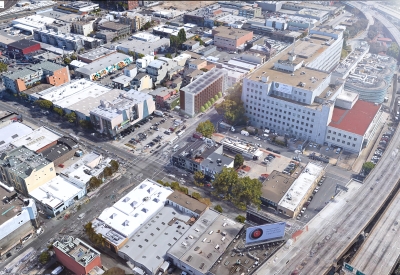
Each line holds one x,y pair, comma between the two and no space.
38,178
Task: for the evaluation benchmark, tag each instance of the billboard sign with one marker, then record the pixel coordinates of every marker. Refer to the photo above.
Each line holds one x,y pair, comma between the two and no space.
265,232
283,88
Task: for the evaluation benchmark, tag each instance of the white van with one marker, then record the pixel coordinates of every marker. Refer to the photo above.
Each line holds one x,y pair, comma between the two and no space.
175,148
57,270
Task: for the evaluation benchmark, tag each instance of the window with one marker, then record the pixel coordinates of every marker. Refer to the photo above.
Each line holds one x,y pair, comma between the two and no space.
339,134
344,136
334,133
354,145
333,138
355,139
329,131
343,142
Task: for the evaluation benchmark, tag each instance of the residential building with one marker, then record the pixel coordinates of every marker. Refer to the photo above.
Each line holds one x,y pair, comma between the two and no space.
182,59
82,27
76,255
354,123
135,20
274,188
25,170
143,62
118,28
47,72
293,200
197,93
79,7
11,132
158,69
56,195
111,117
161,96
214,163
122,82
19,218
96,54
143,47
130,4
231,39
197,64
211,234
38,140
291,93
273,6
190,45
22,47
250,12
198,16
102,67
190,75
142,81
67,41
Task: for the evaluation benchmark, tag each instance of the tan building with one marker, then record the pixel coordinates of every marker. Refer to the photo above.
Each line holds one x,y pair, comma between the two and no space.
186,204
274,188
136,21
82,27
25,170
197,64
230,38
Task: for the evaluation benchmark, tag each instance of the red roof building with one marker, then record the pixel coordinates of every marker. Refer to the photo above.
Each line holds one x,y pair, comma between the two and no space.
352,129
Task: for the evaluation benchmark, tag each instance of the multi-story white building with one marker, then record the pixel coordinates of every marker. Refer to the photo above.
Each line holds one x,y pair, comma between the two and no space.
158,69
291,93
111,117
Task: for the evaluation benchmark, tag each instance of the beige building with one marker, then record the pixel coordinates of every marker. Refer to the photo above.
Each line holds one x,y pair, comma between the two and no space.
25,170
136,21
82,27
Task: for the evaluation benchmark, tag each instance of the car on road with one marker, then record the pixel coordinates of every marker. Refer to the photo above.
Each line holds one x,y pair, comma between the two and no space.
8,255
57,270
26,238
276,151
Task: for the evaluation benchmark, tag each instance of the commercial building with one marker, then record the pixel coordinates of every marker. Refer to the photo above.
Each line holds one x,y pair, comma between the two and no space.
158,69
105,36
56,195
43,72
186,204
111,117
168,30
274,188
145,36
25,170
250,12
22,47
135,20
79,7
143,47
122,82
198,16
214,163
197,64
124,219
19,218
291,93
82,27
354,123
102,67
62,151
301,189
67,41
190,45
270,5
96,54
161,96
197,93
38,140
11,132
118,28
239,147
32,22
231,39
142,81
76,255
210,234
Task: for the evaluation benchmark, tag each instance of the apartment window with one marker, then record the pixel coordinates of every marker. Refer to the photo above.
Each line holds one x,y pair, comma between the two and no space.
355,139
354,145
334,133
338,140
310,132
343,141
349,137
333,138
348,143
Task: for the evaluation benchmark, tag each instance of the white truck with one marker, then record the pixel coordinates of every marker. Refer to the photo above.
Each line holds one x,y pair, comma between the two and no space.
164,266
245,133
158,113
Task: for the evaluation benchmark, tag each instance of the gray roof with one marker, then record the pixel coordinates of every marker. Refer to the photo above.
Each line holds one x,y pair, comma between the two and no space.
97,53
204,81
162,91
54,152
139,76
150,244
123,79
142,46
156,64
216,162
102,63
44,65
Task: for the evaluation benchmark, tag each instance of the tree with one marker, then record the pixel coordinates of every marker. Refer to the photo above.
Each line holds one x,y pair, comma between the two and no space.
224,180
218,208
174,41
240,218
44,257
3,67
219,94
114,165
233,112
140,55
94,183
182,36
204,70
376,47
147,26
393,50
368,166
239,160
202,109
206,201
85,124
115,271
107,171
43,103
216,97
67,60
196,195
168,55
206,128
212,100
58,111
198,178
71,117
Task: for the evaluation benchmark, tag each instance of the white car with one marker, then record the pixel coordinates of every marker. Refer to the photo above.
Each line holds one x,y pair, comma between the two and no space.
57,270
184,273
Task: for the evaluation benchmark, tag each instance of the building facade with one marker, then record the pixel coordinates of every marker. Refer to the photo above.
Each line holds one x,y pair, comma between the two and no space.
82,27
22,47
250,12
118,28
136,21
231,39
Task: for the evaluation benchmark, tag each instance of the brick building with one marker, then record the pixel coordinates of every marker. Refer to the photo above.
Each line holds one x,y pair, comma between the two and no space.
76,255
231,39
200,91
162,95
22,47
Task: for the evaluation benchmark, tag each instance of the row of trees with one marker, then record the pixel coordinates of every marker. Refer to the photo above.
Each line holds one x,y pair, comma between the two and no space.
210,102
175,186
94,237
241,191
108,171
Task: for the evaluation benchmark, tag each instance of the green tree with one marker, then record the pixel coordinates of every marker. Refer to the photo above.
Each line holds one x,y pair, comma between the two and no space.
219,94
43,103
212,100
368,166
71,117
3,67
239,160
233,112
174,41
218,208
107,171
73,56
198,178
114,165
85,124
393,51
44,257
206,128
207,105
240,218
67,60
94,183
202,109
58,111
196,195
216,97
168,55
204,70
182,36
224,181
147,26
140,55
246,191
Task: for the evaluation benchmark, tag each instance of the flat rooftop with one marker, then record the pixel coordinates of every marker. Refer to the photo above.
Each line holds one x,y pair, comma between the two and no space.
204,81
205,241
230,33
276,186
357,119
97,53
13,132
55,192
150,244
188,202
11,206
300,187
28,70
143,47
102,63
36,140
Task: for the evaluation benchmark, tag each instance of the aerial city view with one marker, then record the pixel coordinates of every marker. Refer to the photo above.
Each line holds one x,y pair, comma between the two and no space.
199,137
